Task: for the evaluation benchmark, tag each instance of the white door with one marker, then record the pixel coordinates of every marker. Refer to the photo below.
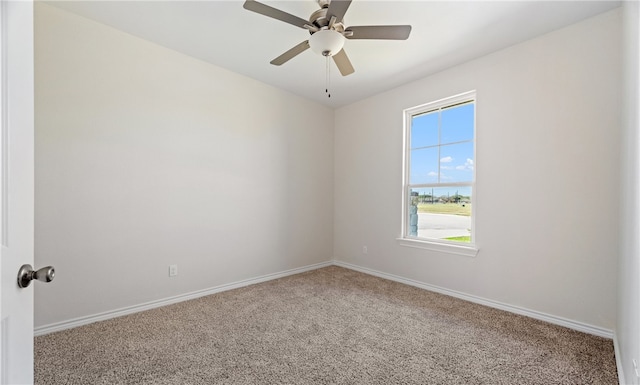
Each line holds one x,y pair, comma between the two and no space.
16,191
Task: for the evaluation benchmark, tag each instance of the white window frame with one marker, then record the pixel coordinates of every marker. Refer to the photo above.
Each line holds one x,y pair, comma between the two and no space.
467,249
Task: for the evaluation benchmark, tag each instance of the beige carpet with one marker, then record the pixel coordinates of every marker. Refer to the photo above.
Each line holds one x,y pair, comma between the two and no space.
328,326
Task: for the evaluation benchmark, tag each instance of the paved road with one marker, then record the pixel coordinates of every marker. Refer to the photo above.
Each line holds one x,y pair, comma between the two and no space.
443,225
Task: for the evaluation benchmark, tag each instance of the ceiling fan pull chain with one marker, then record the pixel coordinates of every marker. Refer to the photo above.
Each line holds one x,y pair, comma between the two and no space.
328,77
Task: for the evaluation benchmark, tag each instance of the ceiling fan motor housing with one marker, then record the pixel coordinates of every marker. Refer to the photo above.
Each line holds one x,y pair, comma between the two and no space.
319,19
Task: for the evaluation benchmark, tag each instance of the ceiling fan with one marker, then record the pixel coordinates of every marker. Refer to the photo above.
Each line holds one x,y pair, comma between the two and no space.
328,32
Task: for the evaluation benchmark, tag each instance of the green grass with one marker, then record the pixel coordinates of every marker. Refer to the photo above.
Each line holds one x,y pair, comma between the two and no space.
445,208
464,238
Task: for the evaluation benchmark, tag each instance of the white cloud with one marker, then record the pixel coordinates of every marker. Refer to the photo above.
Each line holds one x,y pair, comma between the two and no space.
446,167
432,173
468,165
446,159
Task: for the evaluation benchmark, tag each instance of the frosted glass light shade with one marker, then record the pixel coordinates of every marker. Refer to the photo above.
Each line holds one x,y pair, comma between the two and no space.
326,42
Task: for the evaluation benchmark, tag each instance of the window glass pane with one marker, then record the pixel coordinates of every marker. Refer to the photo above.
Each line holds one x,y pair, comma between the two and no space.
440,213
456,163
457,123
424,130
424,166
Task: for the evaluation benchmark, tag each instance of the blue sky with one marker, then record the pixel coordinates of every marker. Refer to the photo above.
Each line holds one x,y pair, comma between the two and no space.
451,161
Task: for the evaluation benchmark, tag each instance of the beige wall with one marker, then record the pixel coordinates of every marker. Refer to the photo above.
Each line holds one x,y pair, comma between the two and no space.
548,139
146,157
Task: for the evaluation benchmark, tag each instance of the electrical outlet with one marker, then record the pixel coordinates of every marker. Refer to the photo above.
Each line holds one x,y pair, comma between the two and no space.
173,270
364,250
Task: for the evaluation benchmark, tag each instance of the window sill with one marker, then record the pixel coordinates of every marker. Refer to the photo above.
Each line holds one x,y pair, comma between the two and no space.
468,251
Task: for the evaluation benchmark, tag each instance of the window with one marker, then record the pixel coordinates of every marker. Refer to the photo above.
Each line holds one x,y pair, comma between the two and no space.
439,171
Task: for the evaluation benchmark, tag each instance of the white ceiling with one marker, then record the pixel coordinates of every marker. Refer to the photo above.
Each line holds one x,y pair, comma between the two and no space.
445,33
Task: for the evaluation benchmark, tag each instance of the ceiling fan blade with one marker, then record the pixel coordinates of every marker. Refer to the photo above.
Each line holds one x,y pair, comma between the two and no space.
290,54
387,32
342,61
338,8
275,13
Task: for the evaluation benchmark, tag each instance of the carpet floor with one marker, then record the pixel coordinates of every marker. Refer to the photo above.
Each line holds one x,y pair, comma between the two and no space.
328,326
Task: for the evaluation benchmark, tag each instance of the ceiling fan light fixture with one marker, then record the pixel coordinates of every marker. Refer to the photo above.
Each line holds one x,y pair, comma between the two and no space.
326,42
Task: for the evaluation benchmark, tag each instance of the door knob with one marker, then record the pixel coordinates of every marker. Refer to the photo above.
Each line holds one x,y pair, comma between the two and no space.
26,274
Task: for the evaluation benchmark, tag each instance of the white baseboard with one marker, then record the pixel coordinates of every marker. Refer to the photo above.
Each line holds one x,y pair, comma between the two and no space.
75,322
579,326
616,350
